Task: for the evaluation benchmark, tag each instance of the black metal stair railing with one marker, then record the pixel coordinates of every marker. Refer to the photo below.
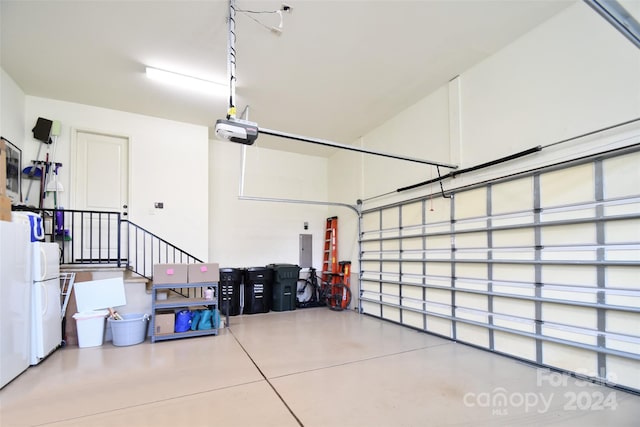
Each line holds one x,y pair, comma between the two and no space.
94,238
144,249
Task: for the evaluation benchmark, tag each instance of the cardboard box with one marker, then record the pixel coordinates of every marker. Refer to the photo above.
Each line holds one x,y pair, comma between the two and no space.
164,322
167,274
5,208
204,273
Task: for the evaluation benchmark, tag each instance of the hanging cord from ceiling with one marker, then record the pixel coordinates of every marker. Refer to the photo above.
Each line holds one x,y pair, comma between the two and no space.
276,29
231,60
231,45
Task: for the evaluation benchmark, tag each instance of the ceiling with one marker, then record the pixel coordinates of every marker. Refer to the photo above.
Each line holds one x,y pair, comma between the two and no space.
338,69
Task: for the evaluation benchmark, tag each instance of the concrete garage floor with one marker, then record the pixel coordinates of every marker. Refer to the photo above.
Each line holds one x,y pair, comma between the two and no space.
310,367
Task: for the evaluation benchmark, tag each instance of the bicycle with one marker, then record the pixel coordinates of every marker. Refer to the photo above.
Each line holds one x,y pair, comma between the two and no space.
336,296
309,294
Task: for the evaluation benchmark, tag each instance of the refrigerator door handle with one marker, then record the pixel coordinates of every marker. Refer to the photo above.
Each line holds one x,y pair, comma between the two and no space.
43,263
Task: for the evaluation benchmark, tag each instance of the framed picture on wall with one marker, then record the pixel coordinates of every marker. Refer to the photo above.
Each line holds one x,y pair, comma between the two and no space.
14,175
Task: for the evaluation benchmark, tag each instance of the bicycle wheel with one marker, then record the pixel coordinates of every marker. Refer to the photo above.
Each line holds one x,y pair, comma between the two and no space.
340,297
305,293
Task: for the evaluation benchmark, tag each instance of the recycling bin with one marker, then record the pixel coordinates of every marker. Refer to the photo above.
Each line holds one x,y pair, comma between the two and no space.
257,290
285,286
229,292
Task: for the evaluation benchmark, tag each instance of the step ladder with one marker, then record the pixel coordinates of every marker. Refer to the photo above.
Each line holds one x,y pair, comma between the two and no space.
345,272
330,269
66,286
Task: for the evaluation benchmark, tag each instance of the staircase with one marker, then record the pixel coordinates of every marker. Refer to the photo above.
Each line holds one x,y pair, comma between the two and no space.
106,245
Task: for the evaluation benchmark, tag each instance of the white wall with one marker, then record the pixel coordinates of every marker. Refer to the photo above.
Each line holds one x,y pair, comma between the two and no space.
571,75
168,163
256,233
12,101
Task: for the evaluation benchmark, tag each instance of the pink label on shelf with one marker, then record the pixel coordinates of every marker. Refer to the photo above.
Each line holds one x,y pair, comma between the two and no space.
203,269
169,271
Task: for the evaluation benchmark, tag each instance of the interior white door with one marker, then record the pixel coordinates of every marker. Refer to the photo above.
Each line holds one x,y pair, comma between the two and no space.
102,185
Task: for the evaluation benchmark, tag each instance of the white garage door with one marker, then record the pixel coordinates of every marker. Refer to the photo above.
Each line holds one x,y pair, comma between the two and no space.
543,267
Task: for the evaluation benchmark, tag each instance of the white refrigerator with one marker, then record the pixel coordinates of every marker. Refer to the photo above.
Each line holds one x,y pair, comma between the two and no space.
15,300
46,333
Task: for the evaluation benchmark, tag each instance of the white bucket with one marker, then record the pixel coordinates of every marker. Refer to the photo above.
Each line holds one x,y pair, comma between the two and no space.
90,327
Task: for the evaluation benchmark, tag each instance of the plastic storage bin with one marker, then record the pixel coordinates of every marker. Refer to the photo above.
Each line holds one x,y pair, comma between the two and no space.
131,330
90,325
285,286
257,290
229,295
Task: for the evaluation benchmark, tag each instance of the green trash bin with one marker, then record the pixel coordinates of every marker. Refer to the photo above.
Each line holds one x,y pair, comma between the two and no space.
285,286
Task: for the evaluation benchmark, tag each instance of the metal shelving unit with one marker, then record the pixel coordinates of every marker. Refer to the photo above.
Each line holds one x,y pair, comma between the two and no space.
182,302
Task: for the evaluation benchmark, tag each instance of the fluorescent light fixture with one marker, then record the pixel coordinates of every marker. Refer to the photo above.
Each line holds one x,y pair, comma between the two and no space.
188,82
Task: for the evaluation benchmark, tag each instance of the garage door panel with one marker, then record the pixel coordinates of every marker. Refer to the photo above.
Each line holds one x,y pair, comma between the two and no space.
577,275
516,273
472,240
389,268
472,334
471,203
627,231
567,186
514,345
370,222
565,214
473,301
569,358
475,285
561,314
370,286
390,219
515,324
621,176
574,255
625,372
515,289
471,271
391,313
412,214
557,331
512,196
415,320
569,295
438,242
412,243
579,234
413,268
623,343
513,238
439,210
370,308
622,286
439,326
391,245
623,322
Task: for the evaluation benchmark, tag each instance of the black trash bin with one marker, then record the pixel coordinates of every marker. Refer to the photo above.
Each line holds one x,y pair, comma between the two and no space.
285,286
257,290
229,295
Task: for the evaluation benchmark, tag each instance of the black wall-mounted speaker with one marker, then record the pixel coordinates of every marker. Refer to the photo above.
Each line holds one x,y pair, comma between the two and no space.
42,130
